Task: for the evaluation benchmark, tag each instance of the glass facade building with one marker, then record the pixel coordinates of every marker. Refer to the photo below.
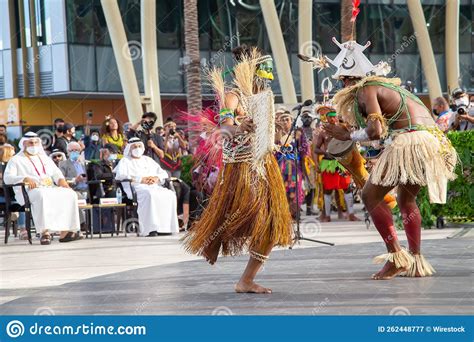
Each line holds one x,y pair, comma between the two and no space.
76,58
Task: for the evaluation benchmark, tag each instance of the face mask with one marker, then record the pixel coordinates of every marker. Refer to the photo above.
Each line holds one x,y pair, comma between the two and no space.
137,152
435,112
74,155
95,138
112,157
147,125
33,150
461,102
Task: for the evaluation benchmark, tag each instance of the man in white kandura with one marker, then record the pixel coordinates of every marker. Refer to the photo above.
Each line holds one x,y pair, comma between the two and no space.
53,203
156,204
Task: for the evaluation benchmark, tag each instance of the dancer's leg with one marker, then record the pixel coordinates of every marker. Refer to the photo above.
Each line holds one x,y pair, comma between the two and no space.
246,283
411,217
398,260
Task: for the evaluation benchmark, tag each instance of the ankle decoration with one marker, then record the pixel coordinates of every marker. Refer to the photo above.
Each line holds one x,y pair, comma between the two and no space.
421,266
401,259
259,257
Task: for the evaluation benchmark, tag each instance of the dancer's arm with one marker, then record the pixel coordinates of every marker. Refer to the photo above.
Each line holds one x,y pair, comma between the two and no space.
368,100
227,124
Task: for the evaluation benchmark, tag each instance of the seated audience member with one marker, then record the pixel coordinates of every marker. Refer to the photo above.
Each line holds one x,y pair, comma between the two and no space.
57,156
74,170
103,170
53,203
156,204
7,151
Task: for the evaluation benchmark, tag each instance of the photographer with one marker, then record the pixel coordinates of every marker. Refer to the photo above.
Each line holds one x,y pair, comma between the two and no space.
463,118
174,146
154,146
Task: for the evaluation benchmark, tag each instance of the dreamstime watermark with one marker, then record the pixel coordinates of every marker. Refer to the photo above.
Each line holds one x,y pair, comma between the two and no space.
400,311
44,311
222,311
132,50
311,48
47,137
228,43
16,329
319,306
407,41
311,227
221,228
45,50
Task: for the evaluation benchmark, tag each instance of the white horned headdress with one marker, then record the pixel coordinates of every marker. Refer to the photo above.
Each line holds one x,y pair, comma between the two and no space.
350,62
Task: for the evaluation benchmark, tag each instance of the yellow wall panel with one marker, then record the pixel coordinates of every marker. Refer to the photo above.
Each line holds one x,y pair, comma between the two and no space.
100,109
120,111
68,110
35,112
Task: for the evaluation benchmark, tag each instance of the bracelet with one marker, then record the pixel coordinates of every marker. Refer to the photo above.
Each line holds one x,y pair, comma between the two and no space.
224,114
259,257
360,135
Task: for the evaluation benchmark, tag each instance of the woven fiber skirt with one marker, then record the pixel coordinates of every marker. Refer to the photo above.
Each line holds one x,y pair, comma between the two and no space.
244,211
424,157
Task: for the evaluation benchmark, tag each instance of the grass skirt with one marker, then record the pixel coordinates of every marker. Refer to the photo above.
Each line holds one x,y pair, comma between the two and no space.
424,157
244,211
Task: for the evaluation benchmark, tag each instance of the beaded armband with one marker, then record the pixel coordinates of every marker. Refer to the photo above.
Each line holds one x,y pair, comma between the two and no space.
224,114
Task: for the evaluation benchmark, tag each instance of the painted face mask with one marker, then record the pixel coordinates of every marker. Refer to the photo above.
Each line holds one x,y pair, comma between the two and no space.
265,70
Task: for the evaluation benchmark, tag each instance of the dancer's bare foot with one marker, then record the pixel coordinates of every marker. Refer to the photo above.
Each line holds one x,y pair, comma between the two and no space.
388,271
252,287
352,217
341,215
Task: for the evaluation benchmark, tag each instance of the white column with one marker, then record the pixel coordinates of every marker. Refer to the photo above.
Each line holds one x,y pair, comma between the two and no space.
426,51
452,43
279,52
151,75
306,44
123,59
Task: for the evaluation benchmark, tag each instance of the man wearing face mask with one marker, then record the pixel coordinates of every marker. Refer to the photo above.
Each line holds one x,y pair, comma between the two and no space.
443,112
69,132
53,203
152,142
102,170
74,171
157,207
463,117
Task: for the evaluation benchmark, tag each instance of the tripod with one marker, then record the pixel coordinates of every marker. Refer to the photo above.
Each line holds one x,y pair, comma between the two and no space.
298,235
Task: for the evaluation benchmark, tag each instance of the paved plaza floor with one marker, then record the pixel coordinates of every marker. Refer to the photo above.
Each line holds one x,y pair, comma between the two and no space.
153,276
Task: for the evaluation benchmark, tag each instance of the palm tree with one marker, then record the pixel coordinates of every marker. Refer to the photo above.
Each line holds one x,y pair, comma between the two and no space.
346,24
193,70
